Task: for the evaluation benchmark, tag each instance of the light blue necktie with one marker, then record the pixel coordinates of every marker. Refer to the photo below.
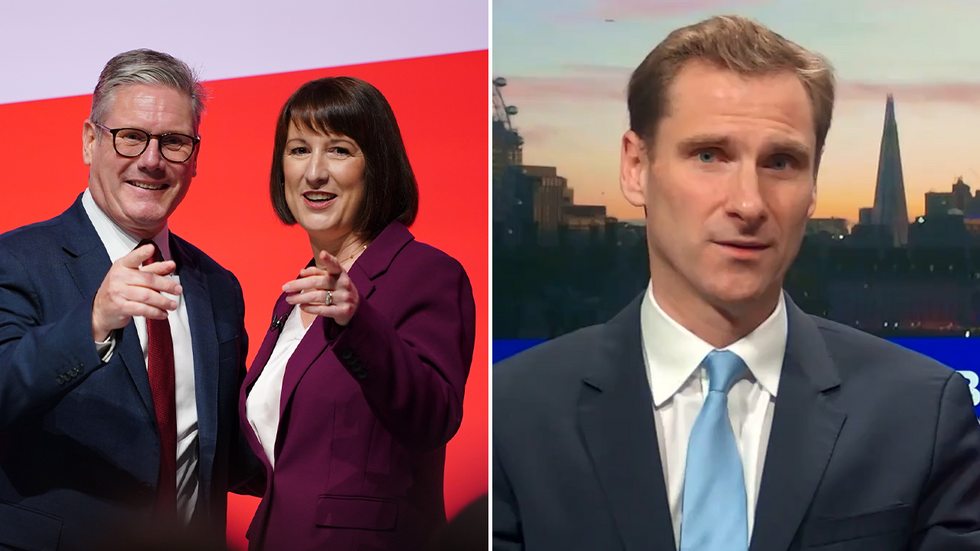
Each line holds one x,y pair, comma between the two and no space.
713,515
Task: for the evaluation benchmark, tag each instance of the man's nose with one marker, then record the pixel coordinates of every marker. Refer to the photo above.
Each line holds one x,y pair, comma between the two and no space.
151,157
746,200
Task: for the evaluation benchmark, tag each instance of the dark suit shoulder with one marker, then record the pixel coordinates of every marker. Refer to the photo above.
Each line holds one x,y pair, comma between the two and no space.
39,247
856,353
553,367
33,235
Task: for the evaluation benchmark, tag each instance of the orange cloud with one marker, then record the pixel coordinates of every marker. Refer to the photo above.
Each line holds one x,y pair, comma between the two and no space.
911,92
566,88
608,83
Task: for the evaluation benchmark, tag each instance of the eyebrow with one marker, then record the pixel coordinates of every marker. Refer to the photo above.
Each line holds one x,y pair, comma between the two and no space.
704,141
141,129
331,141
347,141
780,145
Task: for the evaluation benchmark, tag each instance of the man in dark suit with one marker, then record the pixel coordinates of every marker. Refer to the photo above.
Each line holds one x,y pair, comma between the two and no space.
712,413
122,346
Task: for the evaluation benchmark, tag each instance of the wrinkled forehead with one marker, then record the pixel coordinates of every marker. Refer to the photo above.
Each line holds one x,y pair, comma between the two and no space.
705,99
130,102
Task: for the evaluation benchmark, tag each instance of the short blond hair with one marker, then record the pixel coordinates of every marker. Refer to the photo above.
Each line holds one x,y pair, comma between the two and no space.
737,44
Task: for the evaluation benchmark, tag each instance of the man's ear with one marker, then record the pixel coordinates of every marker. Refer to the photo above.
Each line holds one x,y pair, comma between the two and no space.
90,137
634,165
197,151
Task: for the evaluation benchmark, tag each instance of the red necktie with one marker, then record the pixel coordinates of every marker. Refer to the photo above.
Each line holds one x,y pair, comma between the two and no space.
160,367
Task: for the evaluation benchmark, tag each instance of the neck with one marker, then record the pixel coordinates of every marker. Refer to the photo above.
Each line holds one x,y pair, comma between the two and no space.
139,232
142,234
342,249
719,325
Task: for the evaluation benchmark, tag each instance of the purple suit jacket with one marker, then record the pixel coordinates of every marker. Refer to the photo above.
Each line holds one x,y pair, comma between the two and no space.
366,410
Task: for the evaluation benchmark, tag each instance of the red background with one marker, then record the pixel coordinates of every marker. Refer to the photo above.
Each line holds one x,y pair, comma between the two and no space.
441,106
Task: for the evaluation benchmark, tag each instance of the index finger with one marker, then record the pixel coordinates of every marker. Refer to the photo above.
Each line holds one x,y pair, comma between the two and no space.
331,264
138,256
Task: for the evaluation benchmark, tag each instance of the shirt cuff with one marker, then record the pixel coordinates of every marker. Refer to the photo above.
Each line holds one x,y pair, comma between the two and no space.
106,347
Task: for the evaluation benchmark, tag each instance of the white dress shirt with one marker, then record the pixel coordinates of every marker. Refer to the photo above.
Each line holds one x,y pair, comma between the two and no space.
118,243
673,356
262,403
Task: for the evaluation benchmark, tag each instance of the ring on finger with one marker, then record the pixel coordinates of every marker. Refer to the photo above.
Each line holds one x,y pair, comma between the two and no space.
329,301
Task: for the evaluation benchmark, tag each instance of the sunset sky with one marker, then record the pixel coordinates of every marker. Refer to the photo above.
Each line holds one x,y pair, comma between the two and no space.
567,69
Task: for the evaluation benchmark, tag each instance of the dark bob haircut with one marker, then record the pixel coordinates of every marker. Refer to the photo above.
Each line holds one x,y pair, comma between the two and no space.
351,107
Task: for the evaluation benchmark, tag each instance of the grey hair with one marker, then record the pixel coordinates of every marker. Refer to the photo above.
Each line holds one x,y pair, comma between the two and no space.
146,67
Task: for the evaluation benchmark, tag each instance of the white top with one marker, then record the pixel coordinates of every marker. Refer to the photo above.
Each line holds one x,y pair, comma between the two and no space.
673,355
262,403
118,244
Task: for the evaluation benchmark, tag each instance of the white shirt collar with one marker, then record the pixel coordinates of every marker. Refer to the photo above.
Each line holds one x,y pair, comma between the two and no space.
118,243
673,353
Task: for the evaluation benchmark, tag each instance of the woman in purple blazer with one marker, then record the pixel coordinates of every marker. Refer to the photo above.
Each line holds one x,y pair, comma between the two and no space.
358,385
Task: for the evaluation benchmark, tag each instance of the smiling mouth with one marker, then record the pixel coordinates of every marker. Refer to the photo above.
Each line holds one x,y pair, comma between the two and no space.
318,196
151,187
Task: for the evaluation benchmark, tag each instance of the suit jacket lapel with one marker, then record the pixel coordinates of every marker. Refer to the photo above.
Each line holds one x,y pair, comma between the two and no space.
88,262
805,426
279,312
314,344
308,350
204,344
378,257
362,282
616,418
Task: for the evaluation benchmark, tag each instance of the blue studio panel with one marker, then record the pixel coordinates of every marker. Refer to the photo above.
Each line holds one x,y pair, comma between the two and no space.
961,354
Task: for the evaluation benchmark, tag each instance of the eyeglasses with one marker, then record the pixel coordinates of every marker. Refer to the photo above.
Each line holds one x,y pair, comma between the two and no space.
132,142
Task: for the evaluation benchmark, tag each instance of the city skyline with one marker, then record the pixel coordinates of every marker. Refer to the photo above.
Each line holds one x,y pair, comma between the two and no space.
567,65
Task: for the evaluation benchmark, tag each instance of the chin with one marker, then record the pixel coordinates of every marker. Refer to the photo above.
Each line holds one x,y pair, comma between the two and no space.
317,227
737,291
149,218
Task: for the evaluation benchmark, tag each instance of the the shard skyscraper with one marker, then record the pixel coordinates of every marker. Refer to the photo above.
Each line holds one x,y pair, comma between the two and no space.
890,209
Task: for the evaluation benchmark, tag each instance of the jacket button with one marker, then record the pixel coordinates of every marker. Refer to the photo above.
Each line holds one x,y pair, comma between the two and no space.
346,354
361,374
61,380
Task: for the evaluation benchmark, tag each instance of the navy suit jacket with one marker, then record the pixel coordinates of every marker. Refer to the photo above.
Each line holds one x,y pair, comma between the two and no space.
79,448
872,447
366,410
